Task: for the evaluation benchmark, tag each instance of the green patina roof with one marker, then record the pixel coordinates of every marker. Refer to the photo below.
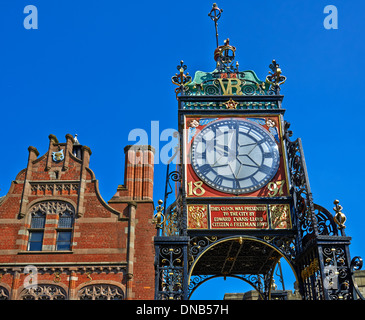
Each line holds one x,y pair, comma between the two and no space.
201,76
218,83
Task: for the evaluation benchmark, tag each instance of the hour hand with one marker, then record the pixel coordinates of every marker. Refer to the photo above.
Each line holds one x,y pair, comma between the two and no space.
220,148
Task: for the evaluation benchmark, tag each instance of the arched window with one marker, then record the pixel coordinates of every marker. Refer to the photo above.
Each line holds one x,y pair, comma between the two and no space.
60,216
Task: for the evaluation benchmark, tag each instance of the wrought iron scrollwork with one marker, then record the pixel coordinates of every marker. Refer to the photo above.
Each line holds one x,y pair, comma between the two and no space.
337,274
276,79
172,223
255,280
325,222
169,218
356,264
300,188
170,273
285,244
313,219
198,244
181,79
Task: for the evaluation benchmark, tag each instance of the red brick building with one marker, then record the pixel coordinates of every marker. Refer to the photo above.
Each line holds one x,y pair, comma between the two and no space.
60,240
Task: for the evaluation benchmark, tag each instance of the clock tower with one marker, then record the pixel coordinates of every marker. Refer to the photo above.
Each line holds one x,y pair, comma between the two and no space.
243,198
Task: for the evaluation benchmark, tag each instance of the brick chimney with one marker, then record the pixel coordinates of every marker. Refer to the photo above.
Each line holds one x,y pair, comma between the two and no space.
135,200
138,175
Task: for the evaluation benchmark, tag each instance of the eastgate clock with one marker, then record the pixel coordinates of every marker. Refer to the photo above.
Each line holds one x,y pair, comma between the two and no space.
235,156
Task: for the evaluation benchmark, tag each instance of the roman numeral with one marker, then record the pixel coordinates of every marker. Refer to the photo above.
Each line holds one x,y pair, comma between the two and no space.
254,181
265,169
236,184
204,169
218,180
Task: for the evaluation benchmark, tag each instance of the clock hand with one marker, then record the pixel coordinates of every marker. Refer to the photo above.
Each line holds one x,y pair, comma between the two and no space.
235,176
257,164
246,145
219,148
219,165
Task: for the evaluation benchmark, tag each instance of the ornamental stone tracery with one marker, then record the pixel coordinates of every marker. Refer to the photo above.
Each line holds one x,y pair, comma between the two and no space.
100,292
52,207
43,292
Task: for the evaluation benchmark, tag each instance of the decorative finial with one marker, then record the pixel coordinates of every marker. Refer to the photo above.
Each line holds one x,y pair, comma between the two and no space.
339,217
181,79
215,15
275,78
157,219
224,55
273,285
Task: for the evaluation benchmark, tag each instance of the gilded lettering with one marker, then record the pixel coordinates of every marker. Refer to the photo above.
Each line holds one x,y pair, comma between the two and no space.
228,84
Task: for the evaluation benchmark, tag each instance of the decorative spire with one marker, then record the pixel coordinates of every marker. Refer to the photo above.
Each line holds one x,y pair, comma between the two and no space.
215,15
224,55
182,79
275,78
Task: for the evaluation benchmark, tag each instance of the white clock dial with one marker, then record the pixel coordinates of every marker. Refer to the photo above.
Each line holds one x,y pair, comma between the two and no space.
235,156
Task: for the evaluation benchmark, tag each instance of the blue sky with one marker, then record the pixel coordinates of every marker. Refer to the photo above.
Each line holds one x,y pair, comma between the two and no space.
103,68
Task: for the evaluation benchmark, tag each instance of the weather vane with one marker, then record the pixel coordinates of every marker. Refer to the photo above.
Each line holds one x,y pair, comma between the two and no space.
215,14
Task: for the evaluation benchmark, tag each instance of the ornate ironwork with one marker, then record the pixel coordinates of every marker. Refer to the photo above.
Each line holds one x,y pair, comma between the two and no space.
171,268
199,244
337,273
339,218
255,280
173,222
356,264
224,56
276,79
227,80
215,15
325,223
316,246
254,257
181,79
286,244
158,217
302,195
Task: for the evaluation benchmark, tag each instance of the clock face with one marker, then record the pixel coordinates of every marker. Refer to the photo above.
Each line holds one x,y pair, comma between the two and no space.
235,156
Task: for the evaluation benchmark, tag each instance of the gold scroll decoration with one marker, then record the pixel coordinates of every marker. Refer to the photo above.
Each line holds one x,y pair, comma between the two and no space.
197,217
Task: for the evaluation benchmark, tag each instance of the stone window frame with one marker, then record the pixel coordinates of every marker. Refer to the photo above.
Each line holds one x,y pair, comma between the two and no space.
37,226
66,220
55,207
